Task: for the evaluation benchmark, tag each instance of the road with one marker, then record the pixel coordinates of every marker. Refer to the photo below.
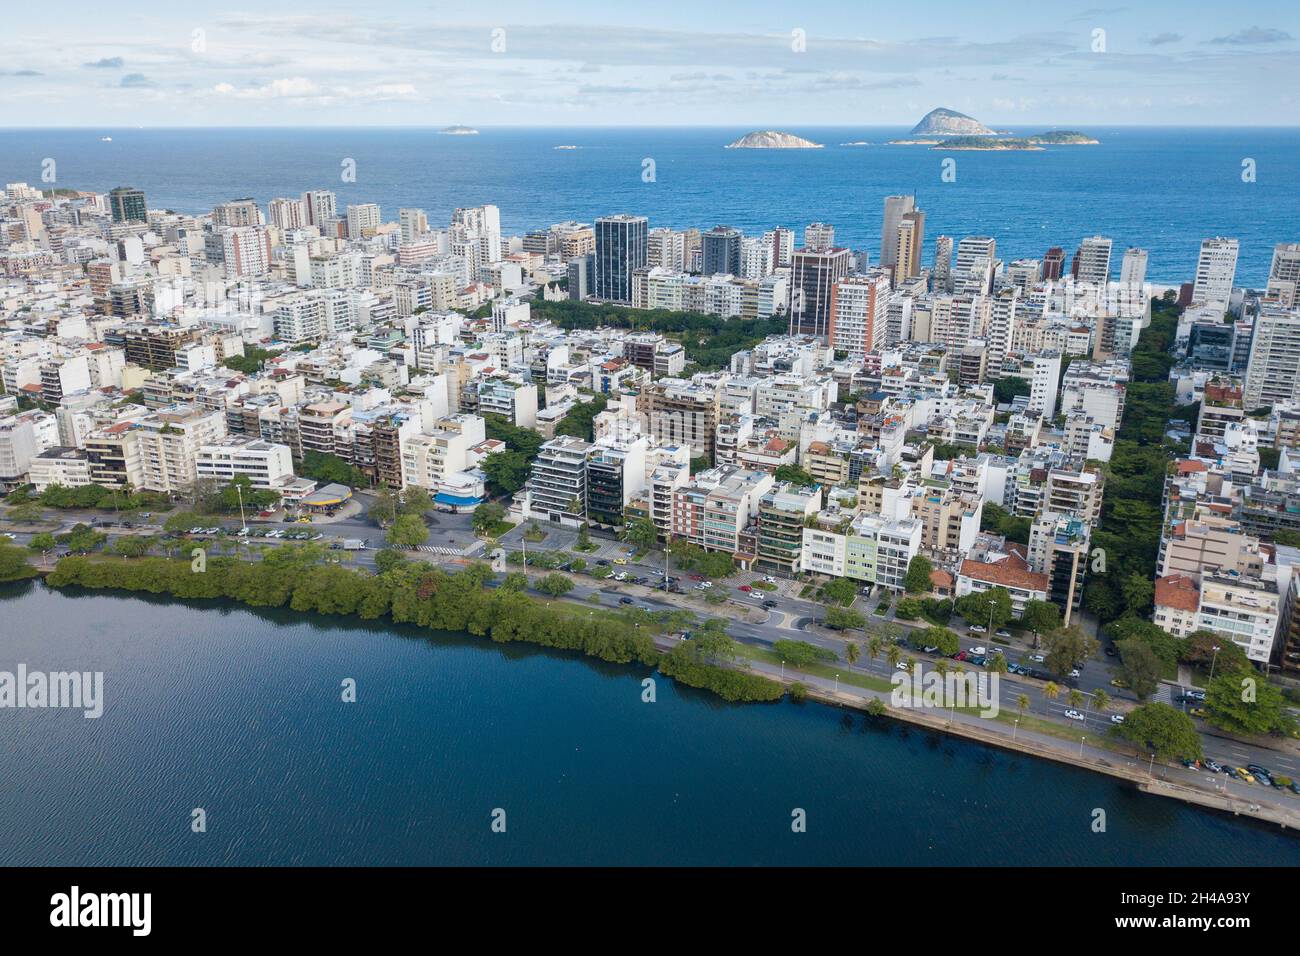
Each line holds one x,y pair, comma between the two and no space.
791,618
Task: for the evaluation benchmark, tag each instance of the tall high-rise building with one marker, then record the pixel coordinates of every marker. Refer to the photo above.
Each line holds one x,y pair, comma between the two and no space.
907,254
237,212
782,246
1273,372
321,206
721,251
859,307
413,223
818,235
895,208
1284,273
942,264
666,249
1133,270
1092,261
363,219
620,250
127,204
288,213
1053,264
1216,268
813,274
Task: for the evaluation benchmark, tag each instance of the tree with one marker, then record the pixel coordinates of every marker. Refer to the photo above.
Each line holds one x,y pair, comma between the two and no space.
556,585
1067,648
82,537
1075,698
840,591
1041,617
1201,648
1140,667
584,538
13,563
387,559
843,618
641,533
713,643
1100,700
25,512
383,511
893,654
794,475
416,501
939,637
852,652
1138,591
875,644
1022,703
408,531
1241,703
991,607
1051,690
917,579
506,471
515,581
487,516
801,653
1163,731
131,546
42,542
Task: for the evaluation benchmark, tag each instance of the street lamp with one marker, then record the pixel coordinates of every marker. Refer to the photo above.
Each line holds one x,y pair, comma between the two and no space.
240,492
1214,660
1081,740
1151,766
837,683
1015,728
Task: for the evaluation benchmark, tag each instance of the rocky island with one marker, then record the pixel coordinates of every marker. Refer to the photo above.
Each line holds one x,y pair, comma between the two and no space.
946,122
770,139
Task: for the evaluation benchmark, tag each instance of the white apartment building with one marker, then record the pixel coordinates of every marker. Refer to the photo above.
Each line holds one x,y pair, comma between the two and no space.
1273,371
1216,268
169,442
859,314
266,465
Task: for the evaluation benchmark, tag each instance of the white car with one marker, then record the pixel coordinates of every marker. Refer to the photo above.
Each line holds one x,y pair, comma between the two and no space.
768,579
1117,719
1004,633
1075,673
979,650
978,628
901,665
1037,658
1074,715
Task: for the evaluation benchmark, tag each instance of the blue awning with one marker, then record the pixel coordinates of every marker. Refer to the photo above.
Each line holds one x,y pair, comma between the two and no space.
442,498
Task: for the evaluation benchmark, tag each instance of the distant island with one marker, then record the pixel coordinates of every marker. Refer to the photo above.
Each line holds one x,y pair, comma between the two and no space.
458,131
857,142
997,143
912,142
946,122
566,147
770,139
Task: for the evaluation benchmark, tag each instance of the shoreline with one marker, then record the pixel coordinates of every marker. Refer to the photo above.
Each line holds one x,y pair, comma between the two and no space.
746,684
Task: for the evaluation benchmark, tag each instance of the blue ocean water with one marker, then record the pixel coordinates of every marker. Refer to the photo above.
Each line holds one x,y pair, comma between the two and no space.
239,713
1163,189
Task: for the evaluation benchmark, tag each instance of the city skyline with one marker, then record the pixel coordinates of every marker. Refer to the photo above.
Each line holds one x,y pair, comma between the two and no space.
583,64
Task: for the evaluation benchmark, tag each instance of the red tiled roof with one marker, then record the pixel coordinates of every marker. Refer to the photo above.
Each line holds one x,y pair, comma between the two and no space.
1177,591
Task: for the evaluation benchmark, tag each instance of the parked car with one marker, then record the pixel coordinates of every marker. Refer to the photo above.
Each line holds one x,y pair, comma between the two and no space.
1075,673
977,628
625,600
1258,770
979,650
1074,715
1037,658
769,604
1004,633
1117,718
1245,774
744,587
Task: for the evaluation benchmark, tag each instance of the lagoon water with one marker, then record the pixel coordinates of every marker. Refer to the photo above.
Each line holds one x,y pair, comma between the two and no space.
1163,189
240,712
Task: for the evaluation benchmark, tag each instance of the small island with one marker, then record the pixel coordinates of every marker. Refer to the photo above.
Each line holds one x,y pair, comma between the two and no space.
1064,137
458,131
946,122
857,142
987,143
912,142
771,139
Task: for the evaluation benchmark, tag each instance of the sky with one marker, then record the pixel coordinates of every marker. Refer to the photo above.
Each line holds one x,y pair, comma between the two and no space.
577,63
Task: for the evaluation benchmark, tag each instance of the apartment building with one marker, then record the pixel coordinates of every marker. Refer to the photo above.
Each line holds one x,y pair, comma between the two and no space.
169,442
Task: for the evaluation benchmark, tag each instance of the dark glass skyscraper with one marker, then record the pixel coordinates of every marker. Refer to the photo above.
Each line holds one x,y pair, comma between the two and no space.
127,204
721,251
620,251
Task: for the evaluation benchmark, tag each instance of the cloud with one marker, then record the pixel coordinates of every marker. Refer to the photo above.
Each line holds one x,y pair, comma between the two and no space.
1254,35
21,73
136,79
1160,39
303,90
107,63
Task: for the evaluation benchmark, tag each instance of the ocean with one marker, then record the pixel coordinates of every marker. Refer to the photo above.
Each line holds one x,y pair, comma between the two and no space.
1163,189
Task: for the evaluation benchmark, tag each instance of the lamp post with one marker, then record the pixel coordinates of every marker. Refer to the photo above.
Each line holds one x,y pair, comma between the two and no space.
1214,660
1015,728
1151,766
1081,740
240,492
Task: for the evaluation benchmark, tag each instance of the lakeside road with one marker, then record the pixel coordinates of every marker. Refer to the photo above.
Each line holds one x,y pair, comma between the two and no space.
792,618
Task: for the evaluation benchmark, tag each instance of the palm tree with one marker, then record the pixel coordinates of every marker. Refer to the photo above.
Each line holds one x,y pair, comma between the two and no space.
1051,691
1100,700
1076,698
874,646
941,667
1022,703
851,652
998,664
893,654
